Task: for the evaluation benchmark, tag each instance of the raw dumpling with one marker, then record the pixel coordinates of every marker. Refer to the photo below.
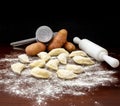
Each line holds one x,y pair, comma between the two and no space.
40,73
53,64
75,68
83,60
39,63
23,58
17,67
66,74
77,53
62,58
57,51
44,56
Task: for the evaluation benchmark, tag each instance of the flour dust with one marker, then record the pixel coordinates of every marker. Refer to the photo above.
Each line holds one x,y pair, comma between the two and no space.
40,90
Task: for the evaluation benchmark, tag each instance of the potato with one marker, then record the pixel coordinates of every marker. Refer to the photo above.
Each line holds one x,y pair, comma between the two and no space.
59,39
69,46
35,48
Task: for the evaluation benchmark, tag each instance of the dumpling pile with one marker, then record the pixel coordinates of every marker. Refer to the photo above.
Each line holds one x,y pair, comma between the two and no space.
66,65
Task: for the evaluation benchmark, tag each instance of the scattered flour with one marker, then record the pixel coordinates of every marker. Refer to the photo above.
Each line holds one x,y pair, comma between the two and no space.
26,86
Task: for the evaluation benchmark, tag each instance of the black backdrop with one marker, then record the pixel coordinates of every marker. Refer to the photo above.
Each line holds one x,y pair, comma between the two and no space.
103,30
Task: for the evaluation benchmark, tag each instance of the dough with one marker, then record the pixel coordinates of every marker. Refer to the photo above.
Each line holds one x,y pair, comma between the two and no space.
39,63
83,60
77,53
62,58
40,73
57,51
23,58
66,74
44,56
52,64
17,67
75,68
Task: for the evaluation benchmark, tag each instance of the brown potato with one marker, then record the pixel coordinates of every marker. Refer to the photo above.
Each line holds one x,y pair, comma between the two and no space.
35,48
69,46
59,39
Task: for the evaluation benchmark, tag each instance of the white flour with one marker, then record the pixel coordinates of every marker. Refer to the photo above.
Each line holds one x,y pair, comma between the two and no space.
40,90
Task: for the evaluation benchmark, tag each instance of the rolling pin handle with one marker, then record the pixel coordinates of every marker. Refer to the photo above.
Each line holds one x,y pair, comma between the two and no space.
113,62
76,40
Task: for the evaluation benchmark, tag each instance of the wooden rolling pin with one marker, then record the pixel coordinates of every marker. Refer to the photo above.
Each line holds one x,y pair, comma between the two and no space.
96,51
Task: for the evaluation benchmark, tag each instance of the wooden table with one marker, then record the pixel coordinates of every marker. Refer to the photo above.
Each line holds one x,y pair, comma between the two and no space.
100,96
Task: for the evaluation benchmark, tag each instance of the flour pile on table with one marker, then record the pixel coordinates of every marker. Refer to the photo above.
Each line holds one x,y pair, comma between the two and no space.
40,87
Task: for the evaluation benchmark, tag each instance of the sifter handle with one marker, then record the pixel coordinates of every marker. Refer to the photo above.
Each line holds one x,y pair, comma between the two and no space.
22,42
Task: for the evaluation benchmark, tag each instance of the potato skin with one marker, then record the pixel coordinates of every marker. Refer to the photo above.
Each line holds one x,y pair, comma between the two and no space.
59,39
35,48
69,46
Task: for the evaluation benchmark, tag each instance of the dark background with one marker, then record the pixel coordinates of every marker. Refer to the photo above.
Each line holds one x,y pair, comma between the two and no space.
101,29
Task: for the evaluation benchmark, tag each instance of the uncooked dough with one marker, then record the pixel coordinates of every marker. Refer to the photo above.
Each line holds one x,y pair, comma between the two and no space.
40,73
52,64
17,67
44,56
39,63
23,58
66,74
75,68
57,51
62,58
77,53
83,60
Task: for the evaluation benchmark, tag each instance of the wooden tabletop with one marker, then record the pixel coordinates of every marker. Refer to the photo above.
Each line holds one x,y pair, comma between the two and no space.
108,95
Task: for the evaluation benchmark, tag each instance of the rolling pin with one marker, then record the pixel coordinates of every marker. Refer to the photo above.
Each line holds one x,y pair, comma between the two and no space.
97,52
